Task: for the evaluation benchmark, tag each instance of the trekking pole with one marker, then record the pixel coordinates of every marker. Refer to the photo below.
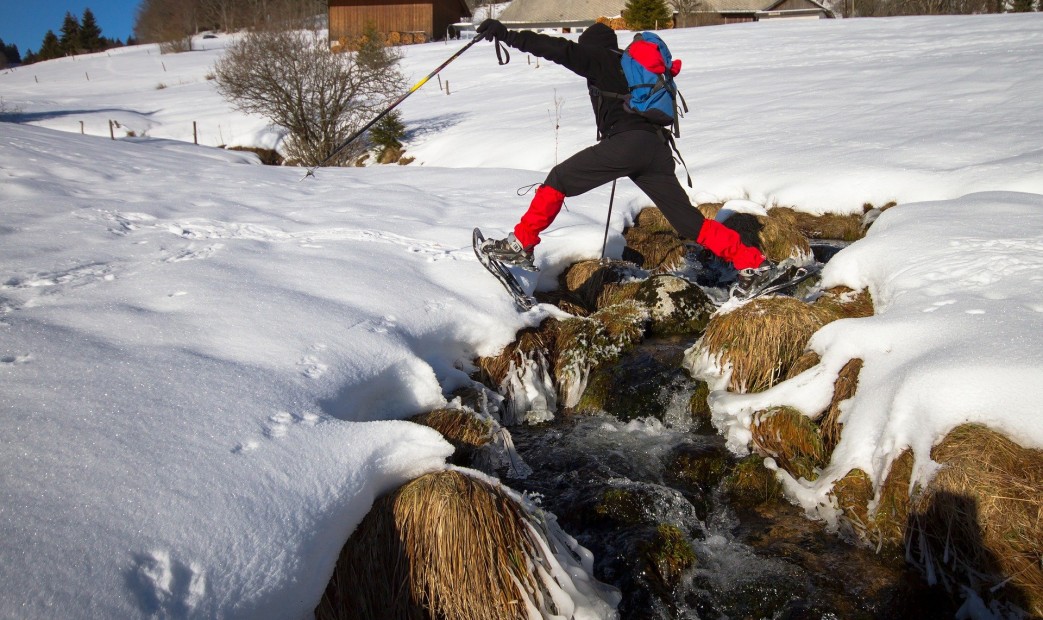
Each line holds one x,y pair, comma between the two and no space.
611,199
416,87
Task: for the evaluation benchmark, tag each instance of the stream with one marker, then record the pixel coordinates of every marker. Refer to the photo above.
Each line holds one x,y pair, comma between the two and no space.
642,487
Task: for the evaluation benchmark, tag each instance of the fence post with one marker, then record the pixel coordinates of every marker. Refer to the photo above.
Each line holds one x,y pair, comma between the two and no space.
447,87
112,132
195,133
81,127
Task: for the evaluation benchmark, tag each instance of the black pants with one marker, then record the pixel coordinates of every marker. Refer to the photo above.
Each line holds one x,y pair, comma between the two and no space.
642,156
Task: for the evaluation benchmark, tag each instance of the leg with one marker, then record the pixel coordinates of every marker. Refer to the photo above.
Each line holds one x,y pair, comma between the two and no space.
658,181
593,166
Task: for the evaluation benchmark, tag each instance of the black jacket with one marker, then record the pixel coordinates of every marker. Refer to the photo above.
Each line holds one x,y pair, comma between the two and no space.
597,58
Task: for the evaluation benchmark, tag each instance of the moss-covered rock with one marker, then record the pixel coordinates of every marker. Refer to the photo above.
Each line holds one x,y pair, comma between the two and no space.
751,484
699,407
640,384
676,306
585,343
668,555
698,467
623,506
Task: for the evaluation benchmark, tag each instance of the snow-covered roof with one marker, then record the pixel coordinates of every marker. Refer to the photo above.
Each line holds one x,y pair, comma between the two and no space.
748,6
555,11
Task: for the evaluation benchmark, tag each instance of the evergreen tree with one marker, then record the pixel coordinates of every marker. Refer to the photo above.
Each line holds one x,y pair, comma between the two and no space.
90,38
9,54
388,134
647,14
51,47
70,41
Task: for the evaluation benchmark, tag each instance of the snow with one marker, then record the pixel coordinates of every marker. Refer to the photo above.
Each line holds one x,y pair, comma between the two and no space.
205,361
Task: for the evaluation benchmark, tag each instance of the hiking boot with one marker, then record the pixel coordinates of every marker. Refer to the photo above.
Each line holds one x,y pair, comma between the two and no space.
752,280
509,251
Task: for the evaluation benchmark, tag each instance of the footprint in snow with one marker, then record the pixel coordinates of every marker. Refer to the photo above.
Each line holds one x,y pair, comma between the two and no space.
386,324
165,586
192,253
279,424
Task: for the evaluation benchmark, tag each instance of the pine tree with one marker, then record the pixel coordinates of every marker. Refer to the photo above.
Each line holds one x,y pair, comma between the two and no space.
51,47
9,54
12,55
647,14
70,41
90,34
388,133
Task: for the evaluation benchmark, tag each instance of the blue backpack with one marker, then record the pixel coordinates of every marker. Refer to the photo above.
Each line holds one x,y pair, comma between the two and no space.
650,69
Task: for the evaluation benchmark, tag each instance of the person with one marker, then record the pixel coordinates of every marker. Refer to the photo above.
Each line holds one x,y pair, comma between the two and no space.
629,145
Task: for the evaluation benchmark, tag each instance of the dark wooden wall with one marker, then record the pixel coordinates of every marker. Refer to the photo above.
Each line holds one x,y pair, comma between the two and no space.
352,17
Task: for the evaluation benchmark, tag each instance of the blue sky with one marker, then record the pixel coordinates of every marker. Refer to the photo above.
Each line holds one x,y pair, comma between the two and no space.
24,23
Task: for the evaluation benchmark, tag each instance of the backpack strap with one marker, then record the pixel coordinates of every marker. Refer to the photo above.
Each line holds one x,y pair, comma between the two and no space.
676,129
668,137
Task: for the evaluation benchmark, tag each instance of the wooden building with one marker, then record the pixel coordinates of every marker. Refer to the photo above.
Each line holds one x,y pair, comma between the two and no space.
558,14
738,11
579,14
411,20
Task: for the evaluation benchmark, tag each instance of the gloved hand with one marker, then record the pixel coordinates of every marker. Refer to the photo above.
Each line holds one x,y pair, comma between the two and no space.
491,30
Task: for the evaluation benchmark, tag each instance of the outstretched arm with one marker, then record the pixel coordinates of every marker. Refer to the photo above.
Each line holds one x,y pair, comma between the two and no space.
568,54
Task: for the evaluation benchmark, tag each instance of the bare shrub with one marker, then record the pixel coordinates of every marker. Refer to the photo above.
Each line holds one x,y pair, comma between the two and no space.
292,79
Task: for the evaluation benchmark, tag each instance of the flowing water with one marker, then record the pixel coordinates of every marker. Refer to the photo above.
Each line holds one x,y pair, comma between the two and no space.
641,487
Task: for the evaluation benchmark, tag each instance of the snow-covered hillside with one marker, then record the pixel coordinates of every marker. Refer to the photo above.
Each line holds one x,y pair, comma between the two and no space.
203,360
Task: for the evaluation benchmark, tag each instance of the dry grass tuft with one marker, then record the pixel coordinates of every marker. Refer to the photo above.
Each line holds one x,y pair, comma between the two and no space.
888,522
978,521
656,251
710,209
586,280
791,438
460,427
843,388
530,340
807,359
780,240
761,340
617,293
826,226
579,275
653,243
442,546
853,493
982,513
624,323
841,302
651,219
